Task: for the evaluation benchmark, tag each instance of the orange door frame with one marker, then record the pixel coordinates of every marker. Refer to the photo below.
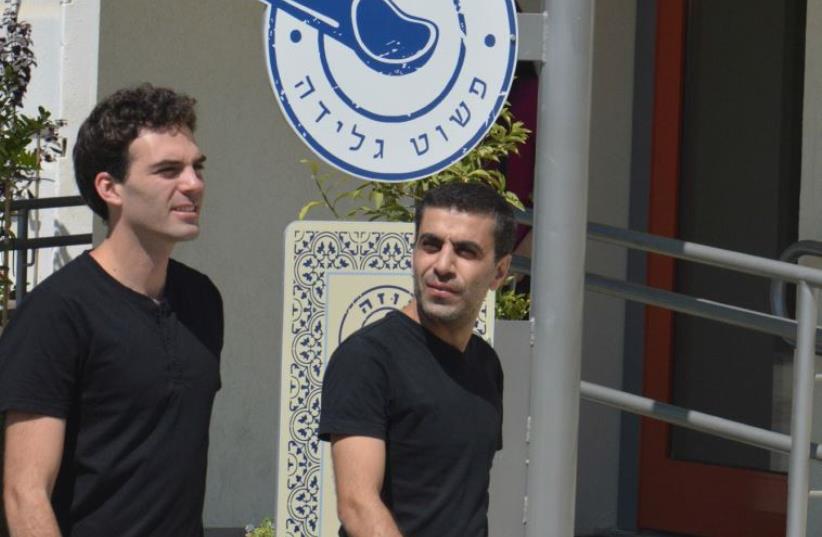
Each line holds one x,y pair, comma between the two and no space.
679,496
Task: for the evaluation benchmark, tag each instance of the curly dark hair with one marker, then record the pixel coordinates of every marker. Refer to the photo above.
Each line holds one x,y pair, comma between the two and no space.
475,198
105,136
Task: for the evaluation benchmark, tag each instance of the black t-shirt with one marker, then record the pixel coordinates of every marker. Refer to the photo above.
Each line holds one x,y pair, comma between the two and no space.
135,381
439,411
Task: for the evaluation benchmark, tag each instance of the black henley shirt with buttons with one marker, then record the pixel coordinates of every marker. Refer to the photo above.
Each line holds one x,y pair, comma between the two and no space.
135,381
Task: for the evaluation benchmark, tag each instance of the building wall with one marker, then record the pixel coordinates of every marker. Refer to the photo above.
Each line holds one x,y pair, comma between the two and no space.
810,210
608,203
64,82
215,50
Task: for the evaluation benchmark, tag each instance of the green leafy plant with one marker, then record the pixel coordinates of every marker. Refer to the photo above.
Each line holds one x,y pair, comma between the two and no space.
394,202
265,529
25,141
512,305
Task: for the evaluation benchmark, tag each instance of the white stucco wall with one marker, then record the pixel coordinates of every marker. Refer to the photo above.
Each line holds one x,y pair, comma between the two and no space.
65,36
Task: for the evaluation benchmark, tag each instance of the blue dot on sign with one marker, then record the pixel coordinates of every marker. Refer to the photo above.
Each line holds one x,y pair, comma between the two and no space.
296,36
490,40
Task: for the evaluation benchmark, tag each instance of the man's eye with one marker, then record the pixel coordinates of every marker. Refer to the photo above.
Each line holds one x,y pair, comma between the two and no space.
168,172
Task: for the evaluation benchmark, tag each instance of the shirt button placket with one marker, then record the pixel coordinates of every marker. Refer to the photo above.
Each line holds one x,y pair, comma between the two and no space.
166,322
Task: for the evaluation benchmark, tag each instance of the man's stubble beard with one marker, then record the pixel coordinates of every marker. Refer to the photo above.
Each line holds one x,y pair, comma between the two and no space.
453,316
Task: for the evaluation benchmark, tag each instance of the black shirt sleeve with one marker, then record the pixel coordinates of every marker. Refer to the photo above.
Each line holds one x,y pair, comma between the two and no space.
41,351
355,392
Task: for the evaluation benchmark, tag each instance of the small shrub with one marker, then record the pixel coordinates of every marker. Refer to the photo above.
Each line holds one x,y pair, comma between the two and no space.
265,529
512,305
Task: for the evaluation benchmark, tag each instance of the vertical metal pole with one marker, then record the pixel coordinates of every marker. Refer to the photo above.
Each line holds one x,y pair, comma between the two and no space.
803,382
22,256
561,199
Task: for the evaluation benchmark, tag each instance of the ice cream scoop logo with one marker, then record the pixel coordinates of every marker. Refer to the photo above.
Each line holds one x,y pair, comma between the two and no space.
399,47
391,90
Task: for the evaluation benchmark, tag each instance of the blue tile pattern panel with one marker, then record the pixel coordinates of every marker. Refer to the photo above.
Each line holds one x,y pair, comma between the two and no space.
338,277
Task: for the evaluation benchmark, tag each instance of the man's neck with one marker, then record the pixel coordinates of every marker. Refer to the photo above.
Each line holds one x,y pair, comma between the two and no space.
456,336
131,262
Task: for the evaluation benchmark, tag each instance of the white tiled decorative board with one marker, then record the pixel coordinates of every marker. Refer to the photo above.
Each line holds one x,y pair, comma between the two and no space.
339,276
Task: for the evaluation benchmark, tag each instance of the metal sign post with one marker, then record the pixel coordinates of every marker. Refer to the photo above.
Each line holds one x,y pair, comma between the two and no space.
561,198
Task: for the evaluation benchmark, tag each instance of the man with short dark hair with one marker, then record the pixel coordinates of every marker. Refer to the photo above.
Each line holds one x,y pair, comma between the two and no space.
412,404
109,367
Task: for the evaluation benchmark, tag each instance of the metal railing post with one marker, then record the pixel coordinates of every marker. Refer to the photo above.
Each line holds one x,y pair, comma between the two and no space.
561,199
21,272
803,384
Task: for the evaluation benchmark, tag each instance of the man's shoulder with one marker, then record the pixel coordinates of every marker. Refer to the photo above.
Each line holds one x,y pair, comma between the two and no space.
481,348
380,339
481,344
61,297
383,332
180,269
183,274
70,280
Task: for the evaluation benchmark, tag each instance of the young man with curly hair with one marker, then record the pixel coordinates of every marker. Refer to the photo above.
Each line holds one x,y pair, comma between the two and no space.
412,404
109,367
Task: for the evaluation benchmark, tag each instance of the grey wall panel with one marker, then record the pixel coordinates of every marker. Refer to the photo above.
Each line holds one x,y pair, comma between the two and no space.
810,216
508,475
608,202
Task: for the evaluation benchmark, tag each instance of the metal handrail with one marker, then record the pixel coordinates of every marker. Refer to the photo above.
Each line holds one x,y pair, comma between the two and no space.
792,254
707,255
699,253
699,307
806,334
49,242
692,419
22,243
56,202
805,329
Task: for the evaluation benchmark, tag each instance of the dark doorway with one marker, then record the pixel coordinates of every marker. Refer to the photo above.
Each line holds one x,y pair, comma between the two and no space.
725,172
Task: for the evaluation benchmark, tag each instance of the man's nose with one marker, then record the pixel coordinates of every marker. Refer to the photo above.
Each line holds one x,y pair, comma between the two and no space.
191,180
444,264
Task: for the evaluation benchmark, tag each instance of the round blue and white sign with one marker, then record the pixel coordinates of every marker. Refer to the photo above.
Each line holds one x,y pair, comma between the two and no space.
391,90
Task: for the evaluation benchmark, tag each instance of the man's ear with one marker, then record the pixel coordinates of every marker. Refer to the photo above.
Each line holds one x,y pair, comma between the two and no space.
107,188
501,272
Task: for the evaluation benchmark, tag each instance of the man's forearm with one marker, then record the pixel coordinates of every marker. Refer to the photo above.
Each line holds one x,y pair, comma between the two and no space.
368,518
30,515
